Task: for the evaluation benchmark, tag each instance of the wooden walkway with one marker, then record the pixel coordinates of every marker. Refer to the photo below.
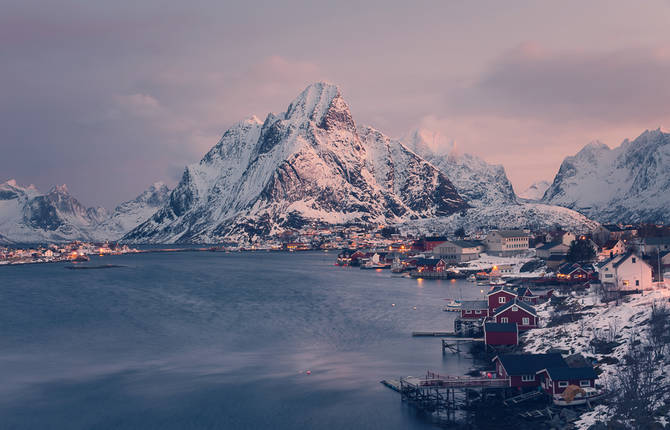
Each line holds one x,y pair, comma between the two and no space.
448,381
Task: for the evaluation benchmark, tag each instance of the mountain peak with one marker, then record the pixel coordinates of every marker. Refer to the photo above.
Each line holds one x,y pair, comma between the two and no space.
315,102
59,189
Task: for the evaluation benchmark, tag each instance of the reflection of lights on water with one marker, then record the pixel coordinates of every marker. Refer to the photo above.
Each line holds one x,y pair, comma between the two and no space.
378,270
419,281
453,281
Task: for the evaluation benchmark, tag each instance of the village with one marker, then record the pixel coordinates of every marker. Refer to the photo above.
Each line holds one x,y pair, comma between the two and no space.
54,253
562,319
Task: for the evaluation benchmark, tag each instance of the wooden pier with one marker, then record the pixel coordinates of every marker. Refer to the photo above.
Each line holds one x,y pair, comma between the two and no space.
443,395
432,333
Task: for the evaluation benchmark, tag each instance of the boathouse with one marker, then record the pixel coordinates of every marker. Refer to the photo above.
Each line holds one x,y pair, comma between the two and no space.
518,312
501,334
554,380
521,369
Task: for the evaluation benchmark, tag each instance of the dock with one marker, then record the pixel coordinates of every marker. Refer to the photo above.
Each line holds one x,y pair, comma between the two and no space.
442,395
433,333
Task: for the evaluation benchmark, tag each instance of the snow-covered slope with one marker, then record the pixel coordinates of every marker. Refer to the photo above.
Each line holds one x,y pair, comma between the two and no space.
488,190
626,184
26,215
535,191
308,164
480,183
506,216
130,214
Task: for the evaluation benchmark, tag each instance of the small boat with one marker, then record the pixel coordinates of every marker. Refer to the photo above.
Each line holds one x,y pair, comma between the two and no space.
81,257
453,306
472,278
575,396
497,282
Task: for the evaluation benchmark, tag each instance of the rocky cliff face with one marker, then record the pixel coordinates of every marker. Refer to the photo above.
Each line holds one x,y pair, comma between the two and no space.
132,213
308,164
629,183
480,183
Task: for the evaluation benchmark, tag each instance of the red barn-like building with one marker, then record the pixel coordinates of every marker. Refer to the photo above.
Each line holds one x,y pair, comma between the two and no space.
474,309
518,312
499,296
554,380
521,369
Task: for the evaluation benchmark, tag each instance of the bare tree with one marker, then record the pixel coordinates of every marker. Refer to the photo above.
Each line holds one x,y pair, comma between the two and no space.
658,336
638,393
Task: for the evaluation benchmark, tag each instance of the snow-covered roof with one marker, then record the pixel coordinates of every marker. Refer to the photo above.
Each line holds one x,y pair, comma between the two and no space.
526,307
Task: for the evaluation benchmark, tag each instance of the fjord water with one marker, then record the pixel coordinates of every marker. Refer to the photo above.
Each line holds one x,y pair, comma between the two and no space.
216,340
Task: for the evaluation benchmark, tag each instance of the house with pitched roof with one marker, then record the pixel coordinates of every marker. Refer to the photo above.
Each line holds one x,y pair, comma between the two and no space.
553,248
517,312
625,272
522,369
554,380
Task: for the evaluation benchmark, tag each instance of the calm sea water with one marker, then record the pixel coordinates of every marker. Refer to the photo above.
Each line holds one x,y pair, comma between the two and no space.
215,340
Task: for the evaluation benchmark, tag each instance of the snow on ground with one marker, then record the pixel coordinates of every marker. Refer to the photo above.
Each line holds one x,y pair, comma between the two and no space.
625,321
486,262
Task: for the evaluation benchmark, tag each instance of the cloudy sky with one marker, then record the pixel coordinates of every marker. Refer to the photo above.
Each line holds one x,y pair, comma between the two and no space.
109,97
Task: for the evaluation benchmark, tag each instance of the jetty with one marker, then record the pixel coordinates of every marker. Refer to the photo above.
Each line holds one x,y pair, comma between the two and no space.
443,395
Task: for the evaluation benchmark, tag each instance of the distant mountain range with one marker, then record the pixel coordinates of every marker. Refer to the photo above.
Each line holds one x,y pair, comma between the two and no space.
314,164
628,183
27,215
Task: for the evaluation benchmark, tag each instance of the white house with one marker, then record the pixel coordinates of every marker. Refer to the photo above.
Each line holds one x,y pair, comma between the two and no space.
626,272
507,242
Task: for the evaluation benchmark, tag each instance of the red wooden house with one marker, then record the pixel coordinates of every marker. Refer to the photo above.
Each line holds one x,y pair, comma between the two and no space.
499,296
521,369
554,380
431,265
524,294
501,333
572,272
474,309
518,312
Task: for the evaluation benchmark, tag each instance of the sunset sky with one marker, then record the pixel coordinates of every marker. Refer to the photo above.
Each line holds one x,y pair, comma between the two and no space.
109,97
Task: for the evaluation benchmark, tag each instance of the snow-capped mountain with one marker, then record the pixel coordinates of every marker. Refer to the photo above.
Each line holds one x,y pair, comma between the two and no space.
535,191
130,214
480,183
308,164
628,183
26,215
